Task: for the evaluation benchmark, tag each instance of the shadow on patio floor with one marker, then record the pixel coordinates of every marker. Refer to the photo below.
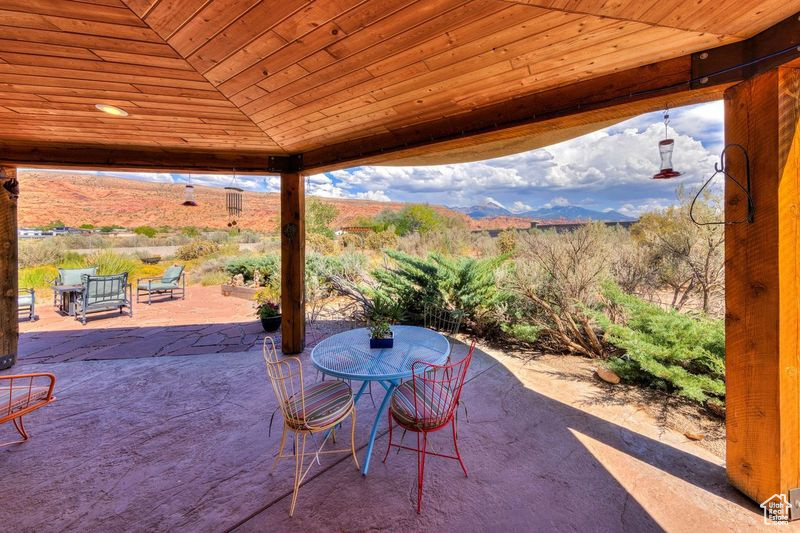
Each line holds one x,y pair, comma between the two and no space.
181,444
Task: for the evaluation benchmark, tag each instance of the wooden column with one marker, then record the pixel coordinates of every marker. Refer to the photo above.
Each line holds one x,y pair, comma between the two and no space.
9,328
293,262
762,298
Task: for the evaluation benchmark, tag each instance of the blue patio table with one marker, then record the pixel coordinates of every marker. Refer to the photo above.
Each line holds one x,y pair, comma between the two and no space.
347,355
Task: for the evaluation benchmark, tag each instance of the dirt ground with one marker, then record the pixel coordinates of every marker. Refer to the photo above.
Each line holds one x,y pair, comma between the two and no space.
666,411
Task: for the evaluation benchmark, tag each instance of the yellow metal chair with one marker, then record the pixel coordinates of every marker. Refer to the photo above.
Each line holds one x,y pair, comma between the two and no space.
307,410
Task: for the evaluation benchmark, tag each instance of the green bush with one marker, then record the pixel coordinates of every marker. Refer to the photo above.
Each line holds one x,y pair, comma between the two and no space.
196,250
147,231
40,252
379,240
38,277
667,350
266,265
462,283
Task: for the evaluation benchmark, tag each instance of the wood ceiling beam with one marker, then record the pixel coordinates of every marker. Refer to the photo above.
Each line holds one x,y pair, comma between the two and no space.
94,157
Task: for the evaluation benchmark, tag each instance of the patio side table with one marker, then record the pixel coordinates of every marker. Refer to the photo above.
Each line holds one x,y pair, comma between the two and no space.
348,356
66,298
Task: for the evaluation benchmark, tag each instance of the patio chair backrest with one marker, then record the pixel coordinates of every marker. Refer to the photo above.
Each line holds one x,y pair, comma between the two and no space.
437,388
286,377
444,320
74,276
102,289
172,274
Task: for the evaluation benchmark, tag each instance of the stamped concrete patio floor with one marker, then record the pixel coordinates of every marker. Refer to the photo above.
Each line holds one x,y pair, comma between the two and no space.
176,443
205,322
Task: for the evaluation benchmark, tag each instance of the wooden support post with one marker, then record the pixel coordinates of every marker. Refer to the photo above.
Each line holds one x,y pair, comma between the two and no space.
9,328
762,262
293,262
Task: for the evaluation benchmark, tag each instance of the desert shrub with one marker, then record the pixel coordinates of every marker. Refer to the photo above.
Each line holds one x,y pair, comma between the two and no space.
555,279
665,349
267,267
40,252
37,277
147,231
108,262
351,241
213,278
319,216
320,243
507,242
196,250
379,240
462,283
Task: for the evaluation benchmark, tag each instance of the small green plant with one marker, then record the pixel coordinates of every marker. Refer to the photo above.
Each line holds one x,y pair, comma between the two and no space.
379,329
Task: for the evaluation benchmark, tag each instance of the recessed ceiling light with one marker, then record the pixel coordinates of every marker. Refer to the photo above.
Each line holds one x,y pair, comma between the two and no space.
111,110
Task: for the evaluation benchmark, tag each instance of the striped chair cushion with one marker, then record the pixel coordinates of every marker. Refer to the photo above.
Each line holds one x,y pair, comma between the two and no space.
19,398
431,406
326,403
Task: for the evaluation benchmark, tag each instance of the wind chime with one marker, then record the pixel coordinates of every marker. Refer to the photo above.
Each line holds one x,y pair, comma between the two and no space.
233,202
665,148
188,194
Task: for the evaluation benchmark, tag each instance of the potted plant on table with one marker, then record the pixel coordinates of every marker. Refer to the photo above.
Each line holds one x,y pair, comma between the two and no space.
268,309
380,334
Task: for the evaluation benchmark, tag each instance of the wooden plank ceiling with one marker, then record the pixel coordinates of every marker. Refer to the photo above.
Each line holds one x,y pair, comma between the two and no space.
265,77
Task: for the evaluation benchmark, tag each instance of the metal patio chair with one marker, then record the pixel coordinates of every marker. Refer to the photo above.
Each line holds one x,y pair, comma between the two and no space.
443,320
173,280
22,394
307,410
104,293
26,301
427,403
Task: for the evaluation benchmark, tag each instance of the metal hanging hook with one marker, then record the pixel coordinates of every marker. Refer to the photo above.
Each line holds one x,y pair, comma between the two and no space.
721,168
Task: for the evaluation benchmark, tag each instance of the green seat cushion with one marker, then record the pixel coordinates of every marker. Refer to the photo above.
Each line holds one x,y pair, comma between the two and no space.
158,286
72,276
25,300
172,275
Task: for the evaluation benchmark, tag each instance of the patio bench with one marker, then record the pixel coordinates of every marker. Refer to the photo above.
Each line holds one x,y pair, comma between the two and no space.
104,293
26,300
21,394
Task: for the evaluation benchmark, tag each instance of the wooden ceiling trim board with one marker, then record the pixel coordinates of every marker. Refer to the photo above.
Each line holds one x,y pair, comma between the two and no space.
79,10
81,75
140,7
98,67
7,45
90,42
167,16
320,81
207,23
249,26
136,59
103,29
491,31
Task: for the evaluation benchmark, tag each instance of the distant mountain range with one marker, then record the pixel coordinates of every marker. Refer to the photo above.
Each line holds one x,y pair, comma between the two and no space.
567,212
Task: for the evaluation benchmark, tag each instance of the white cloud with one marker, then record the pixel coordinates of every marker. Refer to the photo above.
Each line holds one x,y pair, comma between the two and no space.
557,201
519,207
648,204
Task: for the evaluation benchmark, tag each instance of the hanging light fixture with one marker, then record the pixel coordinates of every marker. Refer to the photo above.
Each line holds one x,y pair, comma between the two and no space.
233,201
665,148
188,195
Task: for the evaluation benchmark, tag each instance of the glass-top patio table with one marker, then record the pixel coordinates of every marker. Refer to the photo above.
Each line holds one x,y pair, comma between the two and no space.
347,355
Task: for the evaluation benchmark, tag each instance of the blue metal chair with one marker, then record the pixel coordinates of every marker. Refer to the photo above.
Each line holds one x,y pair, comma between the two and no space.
104,293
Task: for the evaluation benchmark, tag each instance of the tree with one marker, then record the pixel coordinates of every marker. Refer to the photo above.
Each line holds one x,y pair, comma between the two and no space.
688,258
415,218
319,216
86,226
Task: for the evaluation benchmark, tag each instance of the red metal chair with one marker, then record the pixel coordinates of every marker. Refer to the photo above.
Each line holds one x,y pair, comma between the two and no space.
428,403
21,394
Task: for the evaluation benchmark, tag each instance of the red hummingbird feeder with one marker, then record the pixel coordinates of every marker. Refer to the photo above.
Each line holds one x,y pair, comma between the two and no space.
665,148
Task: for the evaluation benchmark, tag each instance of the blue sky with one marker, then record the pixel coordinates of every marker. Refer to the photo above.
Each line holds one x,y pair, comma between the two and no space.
607,169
